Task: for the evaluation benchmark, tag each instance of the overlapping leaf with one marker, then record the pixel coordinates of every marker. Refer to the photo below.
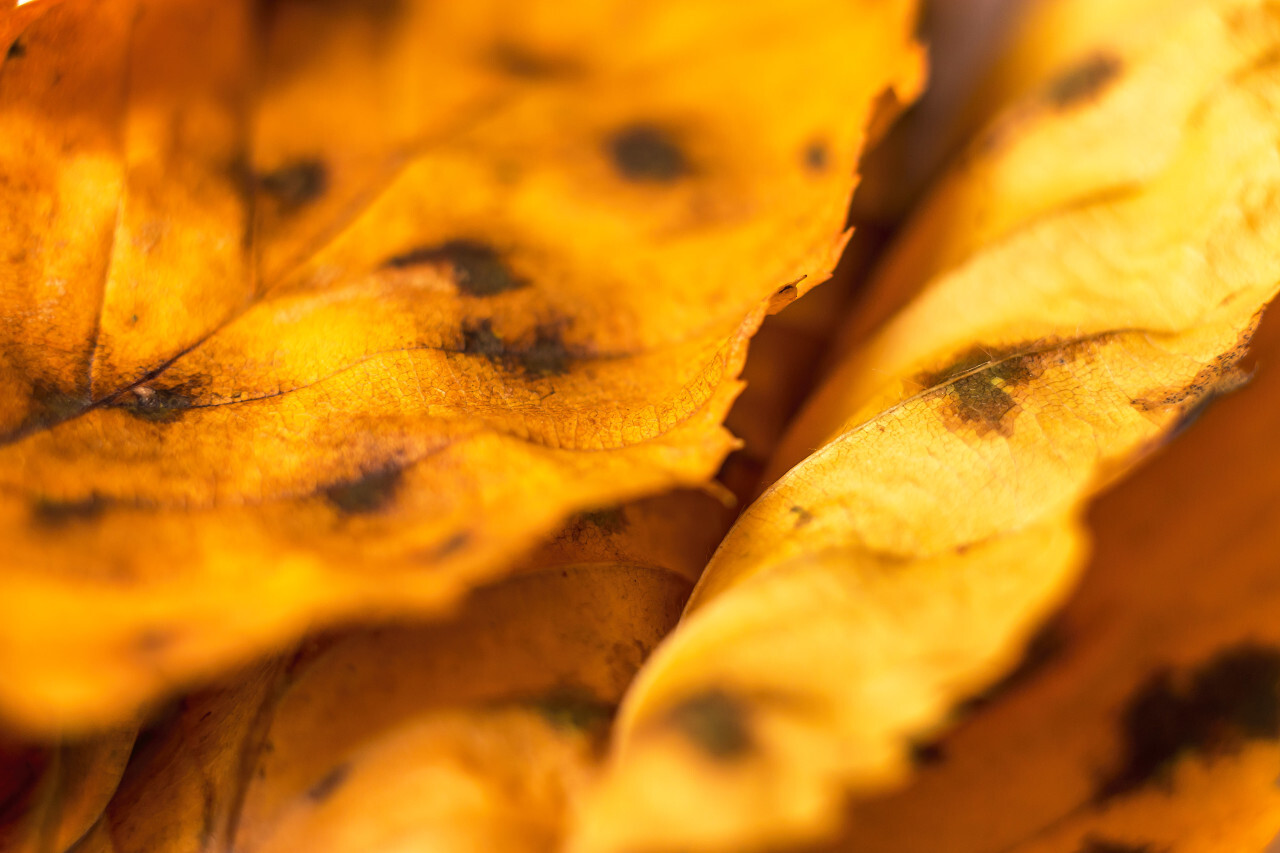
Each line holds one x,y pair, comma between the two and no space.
476,733
1148,718
316,311
1093,266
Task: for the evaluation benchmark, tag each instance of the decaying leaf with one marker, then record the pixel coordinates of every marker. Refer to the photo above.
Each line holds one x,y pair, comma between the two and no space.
476,733
1149,718
1093,268
323,311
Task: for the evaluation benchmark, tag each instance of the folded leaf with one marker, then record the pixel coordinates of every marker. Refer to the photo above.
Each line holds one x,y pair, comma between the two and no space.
324,311
1092,270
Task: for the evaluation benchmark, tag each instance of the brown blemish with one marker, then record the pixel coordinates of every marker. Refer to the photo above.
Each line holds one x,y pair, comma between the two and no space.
154,641
976,387
646,153
369,493
816,156
518,61
296,184
1083,82
1212,710
545,355
476,268
331,782
574,709
715,721
156,403
17,50
52,513
928,754
52,405
450,546
802,517
610,520
1218,377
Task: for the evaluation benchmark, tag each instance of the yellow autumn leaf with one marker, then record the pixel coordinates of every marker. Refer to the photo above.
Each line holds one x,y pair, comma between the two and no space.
324,311
1090,270
478,732
1148,715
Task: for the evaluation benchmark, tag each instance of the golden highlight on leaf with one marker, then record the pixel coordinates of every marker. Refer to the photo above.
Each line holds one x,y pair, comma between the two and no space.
1086,284
325,311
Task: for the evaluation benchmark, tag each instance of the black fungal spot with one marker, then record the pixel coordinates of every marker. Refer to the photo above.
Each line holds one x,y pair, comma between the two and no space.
715,721
477,268
372,492
1083,82
1231,699
647,153
1095,844
17,50
976,386
574,709
51,405
927,754
296,184
332,781
546,355
802,516
480,339
611,520
155,403
816,157
51,513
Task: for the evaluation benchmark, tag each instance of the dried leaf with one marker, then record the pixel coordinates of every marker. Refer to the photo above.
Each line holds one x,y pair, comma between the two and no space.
1069,322
477,733
322,311
1149,719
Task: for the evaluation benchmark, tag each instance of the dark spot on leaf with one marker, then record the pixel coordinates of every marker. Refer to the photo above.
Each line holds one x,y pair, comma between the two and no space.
1083,82
372,492
927,754
647,153
52,405
480,339
296,184
324,789
1095,844
1231,699
574,709
16,50
518,61
546,355
715,721
976,386
610,520
450,546
156,403
51,513
153,641
802,516
477,269
816,156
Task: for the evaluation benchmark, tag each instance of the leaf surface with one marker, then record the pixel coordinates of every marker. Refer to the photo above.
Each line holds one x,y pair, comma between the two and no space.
1068,321
324,311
